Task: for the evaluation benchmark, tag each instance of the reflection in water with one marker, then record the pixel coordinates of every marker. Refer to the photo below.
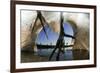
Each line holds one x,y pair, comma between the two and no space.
63,56
43,55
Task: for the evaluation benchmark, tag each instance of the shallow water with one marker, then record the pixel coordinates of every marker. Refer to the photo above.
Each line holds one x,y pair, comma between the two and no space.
43,55
63,56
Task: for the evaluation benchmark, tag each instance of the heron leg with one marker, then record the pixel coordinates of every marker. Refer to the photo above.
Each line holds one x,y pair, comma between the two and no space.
52,53
58,55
